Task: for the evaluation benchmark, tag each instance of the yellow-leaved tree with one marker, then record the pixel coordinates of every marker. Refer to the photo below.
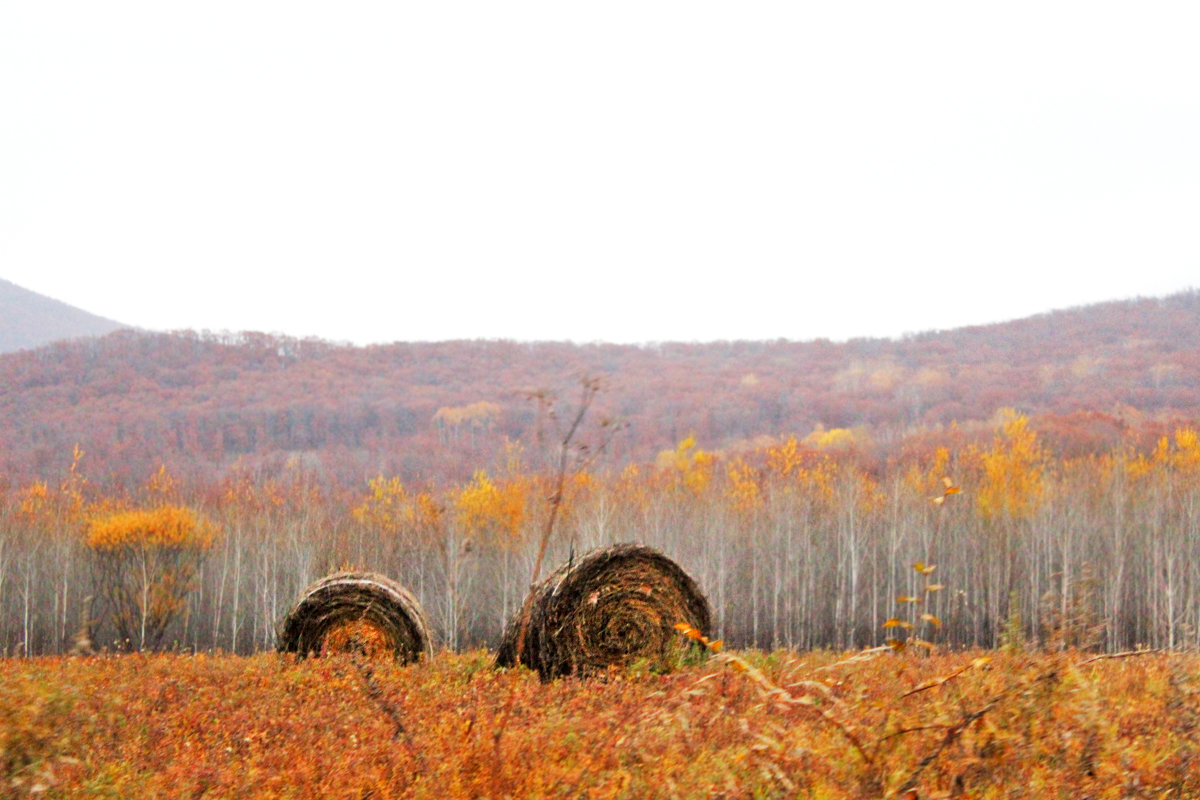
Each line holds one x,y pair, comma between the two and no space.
146,561
691,467
1014,470
487,507
388,510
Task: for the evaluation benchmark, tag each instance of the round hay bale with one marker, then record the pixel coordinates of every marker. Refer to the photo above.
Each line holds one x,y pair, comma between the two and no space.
357,612
616,606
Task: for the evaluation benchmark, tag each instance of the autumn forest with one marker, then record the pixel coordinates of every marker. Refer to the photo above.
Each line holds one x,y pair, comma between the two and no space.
1043,476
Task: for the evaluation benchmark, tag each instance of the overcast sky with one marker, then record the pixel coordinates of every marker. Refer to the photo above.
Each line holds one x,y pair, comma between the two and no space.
617,171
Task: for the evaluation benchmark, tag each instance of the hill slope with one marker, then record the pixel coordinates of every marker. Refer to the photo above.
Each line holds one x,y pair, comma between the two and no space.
1090,376
28,320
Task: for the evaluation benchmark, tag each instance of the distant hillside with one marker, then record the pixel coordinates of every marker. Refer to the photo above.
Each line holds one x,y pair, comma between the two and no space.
28,320
1091,378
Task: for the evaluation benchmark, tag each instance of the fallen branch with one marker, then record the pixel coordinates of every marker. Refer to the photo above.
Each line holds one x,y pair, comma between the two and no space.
1122,654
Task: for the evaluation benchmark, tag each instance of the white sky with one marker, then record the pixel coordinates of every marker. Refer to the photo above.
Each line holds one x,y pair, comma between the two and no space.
616,171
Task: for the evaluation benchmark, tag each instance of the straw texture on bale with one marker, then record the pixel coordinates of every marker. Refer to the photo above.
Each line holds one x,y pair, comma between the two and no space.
615,606
357,611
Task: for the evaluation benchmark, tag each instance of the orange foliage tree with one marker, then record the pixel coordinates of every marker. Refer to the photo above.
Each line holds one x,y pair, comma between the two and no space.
146,561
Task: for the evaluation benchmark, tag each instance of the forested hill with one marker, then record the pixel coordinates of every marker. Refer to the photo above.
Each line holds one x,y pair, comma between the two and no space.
1089,378
28,320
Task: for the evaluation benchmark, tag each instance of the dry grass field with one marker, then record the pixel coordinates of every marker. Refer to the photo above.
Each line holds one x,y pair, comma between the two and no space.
749,725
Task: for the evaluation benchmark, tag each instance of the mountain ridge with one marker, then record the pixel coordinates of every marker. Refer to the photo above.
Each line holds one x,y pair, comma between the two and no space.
29,320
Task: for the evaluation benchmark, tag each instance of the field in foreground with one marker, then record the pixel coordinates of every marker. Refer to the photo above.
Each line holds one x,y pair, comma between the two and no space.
812,725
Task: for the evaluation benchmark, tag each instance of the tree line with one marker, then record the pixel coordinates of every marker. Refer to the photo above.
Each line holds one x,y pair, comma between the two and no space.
795,543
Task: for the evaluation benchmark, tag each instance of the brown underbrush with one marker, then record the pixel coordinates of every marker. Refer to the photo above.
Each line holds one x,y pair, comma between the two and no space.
751,725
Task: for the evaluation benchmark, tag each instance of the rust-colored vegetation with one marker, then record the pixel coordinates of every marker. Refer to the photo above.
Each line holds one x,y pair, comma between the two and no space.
820,725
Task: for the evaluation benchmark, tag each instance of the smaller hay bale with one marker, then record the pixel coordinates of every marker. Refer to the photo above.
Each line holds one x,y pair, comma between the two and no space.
357,612
616,606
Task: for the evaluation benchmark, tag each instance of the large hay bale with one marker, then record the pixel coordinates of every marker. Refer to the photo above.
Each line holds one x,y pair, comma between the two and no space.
358,612
616,606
